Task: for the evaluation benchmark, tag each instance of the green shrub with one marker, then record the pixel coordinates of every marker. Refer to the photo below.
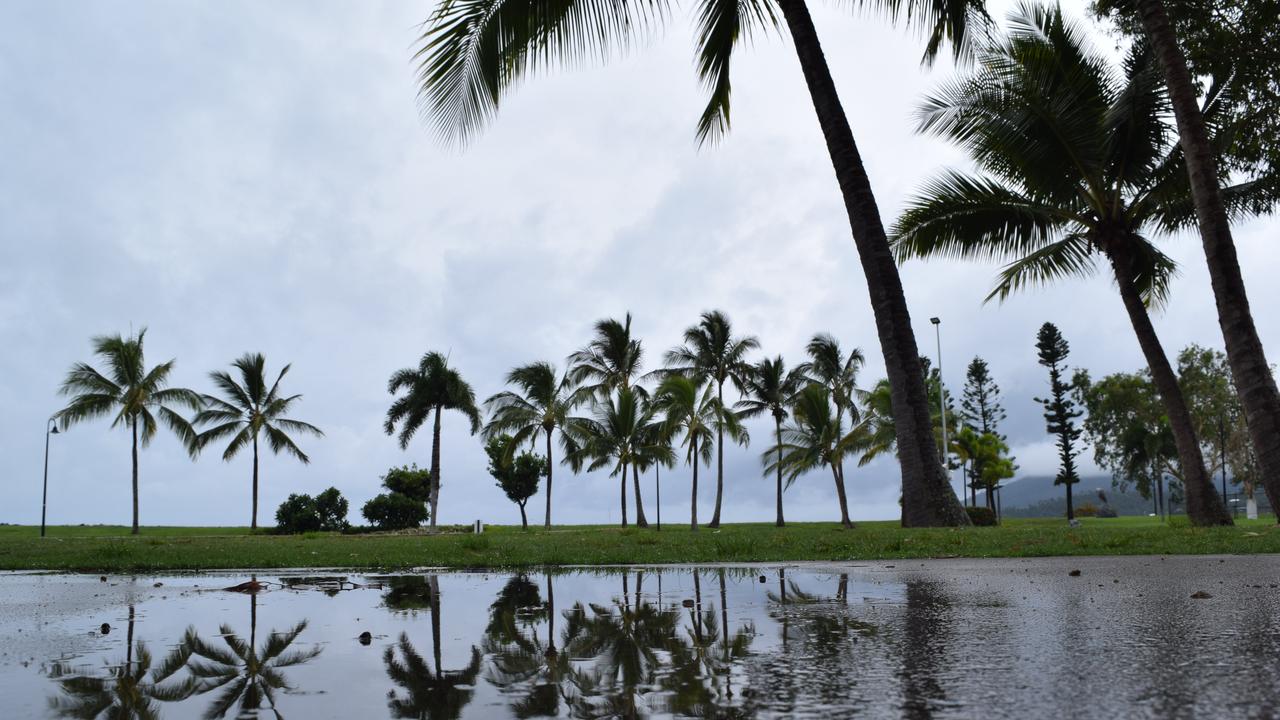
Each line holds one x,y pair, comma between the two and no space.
332,509
981,516
1087,509
394,511
297,515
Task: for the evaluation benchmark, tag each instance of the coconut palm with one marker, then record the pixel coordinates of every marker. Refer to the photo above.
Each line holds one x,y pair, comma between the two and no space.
545,402
432,387
769,388
829,366
1075,163
814,439
611,361
246,674
135,396
712,352
251,409
132,689
1249,368
694,412
472,52
614,437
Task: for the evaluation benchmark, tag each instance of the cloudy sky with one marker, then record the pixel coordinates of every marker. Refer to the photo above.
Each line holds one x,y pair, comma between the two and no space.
246,176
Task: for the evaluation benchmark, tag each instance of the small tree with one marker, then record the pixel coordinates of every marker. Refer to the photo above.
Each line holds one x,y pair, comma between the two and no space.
297,514
1060,411
331,507
407,486
517,475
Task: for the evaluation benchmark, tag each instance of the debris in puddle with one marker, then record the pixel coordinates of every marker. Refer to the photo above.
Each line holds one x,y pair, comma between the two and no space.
366,637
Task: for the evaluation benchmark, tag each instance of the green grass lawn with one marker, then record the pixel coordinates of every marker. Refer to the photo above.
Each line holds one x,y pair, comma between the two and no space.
111,548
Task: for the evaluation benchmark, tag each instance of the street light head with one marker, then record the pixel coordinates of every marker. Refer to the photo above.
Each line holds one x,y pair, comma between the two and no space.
935,321
55,431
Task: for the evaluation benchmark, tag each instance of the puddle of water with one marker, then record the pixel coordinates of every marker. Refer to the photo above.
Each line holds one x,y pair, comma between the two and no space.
1000,640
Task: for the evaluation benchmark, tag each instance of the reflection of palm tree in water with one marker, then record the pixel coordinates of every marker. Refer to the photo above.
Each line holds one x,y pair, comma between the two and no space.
132,689
429,691
704,655
924,640
246,673
520,660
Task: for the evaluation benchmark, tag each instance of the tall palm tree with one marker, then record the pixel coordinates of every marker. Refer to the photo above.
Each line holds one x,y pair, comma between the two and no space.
472,52
1075,163
611,361
769,388
248,674
1249,368
134,395
712,352
814,440
614,437
830,367
432,387
250,410
545,402
132,689
694,412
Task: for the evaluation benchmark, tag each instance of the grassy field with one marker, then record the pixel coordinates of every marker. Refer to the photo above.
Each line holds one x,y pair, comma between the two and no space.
112,549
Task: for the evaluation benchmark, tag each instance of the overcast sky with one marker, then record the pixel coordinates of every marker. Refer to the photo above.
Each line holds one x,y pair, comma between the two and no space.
247,176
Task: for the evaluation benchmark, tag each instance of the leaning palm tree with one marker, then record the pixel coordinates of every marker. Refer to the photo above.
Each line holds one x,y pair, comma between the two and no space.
1076,163
472,52
814,439
432,387
132,394
247,674
545,402
131,689
611,361
1250,371
711,351
769,388
251,409
614,437
695,413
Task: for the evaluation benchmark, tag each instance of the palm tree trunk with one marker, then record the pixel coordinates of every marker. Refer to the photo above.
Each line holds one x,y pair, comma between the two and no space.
838,474
551,615
715,516
128,653
134,426
254,524
1204,507
547,523
927,497
693,499
777,421
435,469
624,494
641,520
1249,368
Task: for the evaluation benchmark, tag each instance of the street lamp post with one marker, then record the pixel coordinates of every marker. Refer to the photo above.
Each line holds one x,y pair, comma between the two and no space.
50,428
1222,448
942,395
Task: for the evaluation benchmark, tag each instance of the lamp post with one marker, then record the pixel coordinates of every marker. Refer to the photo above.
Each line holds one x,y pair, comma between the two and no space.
942,395
1222,447
50,428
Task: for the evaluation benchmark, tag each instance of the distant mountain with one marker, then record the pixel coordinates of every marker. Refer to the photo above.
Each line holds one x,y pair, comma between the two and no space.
1037,496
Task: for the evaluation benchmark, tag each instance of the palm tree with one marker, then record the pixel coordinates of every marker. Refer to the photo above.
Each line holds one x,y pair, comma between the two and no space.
769,387
247,674
1249,368
1075,162
611,361
830,367
433,386
132,689
875,432
698,416
249,410
814,439
711,351
544,403
614,437
472,53
134,395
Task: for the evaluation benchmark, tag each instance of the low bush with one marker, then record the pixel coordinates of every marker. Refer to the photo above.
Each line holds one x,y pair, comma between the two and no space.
332,509
297,514
1087,509
394,511
981,516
